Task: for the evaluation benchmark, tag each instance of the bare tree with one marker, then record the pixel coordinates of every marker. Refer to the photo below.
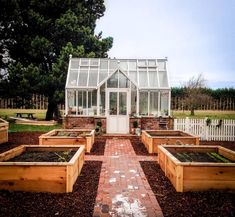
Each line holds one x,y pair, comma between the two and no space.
194,95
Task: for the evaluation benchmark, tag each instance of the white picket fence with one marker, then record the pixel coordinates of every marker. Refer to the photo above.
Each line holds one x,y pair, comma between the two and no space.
213,132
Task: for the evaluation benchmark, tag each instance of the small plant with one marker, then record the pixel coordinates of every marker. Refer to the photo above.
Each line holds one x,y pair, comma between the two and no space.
135,124
64,157
220,123
98,128
208,122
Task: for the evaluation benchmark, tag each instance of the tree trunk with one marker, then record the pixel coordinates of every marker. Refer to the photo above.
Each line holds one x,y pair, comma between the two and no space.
192,111
52,111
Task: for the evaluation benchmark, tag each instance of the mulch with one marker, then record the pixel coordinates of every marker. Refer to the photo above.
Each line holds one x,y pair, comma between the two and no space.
78,203
98,147
139,147
188,204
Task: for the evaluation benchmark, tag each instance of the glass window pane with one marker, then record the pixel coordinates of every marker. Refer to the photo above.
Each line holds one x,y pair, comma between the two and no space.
82,80
164,103
92,102
103,64
133,75
163,79
84,101
74,63
122,103
102,75
143,79
132,66
153,80
73,77
71,102
93,74
161,65
113,80
123,81
141,63
151,63
113,64
102,100
123,65
153,110
113,103
94,62
84,62
143,103
133,99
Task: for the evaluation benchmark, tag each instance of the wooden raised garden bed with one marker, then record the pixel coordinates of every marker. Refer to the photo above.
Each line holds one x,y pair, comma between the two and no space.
41,168
198,168
4,125
153,138
69,137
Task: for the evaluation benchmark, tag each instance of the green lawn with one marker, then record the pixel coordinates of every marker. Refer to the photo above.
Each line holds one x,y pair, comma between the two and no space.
30,128
203,114
6,113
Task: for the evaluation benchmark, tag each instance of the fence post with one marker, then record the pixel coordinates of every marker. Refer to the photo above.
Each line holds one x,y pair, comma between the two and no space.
187,124
205,129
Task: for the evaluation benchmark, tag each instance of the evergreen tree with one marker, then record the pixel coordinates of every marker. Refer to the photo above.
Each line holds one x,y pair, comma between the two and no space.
36,38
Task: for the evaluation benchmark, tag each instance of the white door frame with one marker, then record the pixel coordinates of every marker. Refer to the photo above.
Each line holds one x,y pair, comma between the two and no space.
122,121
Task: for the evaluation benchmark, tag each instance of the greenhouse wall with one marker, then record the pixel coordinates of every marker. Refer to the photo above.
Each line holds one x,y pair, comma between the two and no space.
144,123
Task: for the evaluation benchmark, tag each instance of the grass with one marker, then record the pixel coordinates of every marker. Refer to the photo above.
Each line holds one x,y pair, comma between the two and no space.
39,114
6,113
31,128
205,113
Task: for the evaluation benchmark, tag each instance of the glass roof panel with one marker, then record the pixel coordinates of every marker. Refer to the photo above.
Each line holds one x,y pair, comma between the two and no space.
84,62
93,75
82,80
73,75
74,63
143,79
161,65
153,79
90,72
163,79
132,65
103,75
133,76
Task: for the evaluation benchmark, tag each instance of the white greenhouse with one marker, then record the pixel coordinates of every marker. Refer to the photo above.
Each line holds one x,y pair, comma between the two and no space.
116,90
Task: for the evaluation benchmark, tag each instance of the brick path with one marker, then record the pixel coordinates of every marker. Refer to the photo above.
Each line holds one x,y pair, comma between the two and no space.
123,188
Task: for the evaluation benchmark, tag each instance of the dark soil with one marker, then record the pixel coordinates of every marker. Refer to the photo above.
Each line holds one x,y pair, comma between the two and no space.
201,157
226,144
79,203
43,156
188,204
71,134
139,147
165,134
98,147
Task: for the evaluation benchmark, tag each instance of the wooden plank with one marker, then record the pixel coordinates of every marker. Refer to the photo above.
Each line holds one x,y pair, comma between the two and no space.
12,153
209,173
227,153
199,185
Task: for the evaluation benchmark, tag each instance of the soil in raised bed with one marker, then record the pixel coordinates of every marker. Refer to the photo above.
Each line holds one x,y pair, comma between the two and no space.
173,134
98,146
71,134
80,202
43,156
211,157
187,204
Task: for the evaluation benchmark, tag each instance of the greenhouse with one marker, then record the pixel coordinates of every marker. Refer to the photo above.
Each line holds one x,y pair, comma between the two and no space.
116,90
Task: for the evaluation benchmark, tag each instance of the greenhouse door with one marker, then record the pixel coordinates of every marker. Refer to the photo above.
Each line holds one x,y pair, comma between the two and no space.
117,114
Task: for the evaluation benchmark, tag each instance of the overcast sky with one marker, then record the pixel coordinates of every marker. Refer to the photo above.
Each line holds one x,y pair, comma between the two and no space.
197,36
